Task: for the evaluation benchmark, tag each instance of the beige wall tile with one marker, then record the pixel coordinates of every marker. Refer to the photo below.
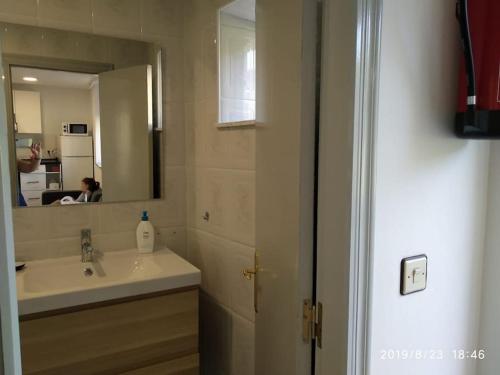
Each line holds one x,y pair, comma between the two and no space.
173,67
243,342
18,11
171,211
66,14
117,17
222,263
115,241
33,250
226,340
59,45
162,17
205,251
19,39
174,238
32,224
92,48
228,196
126,53
215,337
175,143
69,221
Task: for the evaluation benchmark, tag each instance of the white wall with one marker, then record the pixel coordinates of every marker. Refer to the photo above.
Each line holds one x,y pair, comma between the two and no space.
430,195
489,337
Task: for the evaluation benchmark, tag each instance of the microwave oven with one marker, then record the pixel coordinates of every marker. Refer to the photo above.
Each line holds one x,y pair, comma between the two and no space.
75,128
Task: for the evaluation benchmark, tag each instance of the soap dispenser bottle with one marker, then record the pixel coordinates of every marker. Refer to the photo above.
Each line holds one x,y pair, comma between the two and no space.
145,235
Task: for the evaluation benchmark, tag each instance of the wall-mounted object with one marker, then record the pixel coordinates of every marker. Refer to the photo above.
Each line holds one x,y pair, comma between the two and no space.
478,114
237,64
413,274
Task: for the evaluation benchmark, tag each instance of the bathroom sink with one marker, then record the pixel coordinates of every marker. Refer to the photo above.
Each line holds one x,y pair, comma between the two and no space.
60,283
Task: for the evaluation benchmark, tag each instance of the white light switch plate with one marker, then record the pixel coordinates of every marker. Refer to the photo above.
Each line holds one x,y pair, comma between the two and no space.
413,274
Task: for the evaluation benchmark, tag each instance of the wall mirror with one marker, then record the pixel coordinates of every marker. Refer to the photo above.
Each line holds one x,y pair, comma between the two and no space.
84,116
237,63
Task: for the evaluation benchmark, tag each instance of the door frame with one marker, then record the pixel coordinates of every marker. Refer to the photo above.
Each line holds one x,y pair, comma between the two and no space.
8,296
363,205
347,250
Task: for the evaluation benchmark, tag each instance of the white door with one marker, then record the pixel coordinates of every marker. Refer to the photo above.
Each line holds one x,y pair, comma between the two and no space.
284,182
126,111
9,326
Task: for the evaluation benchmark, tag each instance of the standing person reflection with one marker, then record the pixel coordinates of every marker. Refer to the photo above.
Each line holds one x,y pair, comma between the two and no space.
28,166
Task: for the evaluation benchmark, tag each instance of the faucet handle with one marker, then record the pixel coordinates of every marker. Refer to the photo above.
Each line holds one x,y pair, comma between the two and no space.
86,233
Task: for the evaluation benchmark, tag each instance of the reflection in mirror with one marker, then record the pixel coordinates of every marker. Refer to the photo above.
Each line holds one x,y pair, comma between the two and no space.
82,131
237,62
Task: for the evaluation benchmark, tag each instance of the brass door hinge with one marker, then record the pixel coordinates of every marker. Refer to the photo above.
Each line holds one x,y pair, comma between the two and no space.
312,322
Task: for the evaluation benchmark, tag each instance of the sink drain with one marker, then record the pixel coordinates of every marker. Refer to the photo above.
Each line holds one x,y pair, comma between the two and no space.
88,272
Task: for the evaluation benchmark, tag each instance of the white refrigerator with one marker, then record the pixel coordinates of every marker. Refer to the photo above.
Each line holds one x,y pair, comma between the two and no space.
77,160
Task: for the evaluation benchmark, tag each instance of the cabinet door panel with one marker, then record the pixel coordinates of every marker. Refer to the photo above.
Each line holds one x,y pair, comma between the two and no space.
113,339
27,111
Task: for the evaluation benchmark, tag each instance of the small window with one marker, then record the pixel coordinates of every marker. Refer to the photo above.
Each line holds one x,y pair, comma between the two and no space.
237,63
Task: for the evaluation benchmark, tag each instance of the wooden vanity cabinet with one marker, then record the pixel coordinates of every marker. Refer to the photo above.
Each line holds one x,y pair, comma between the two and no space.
144,335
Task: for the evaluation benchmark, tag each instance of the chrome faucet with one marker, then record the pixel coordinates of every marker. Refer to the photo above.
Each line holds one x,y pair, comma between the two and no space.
87,249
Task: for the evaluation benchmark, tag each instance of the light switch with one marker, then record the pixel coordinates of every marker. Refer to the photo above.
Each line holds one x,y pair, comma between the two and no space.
413,274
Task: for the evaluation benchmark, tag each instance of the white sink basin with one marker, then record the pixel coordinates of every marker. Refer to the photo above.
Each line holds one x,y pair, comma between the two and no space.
59,283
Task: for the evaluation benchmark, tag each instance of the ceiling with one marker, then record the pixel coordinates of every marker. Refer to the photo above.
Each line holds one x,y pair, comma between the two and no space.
54,78
241,8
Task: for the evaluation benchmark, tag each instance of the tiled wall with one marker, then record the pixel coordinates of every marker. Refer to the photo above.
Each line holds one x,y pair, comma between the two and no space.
221,182
51,232
213,170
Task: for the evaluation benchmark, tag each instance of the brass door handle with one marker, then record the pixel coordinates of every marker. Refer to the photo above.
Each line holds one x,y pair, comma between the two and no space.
249,273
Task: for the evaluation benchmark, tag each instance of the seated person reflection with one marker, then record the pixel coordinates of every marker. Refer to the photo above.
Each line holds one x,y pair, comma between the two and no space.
91,191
